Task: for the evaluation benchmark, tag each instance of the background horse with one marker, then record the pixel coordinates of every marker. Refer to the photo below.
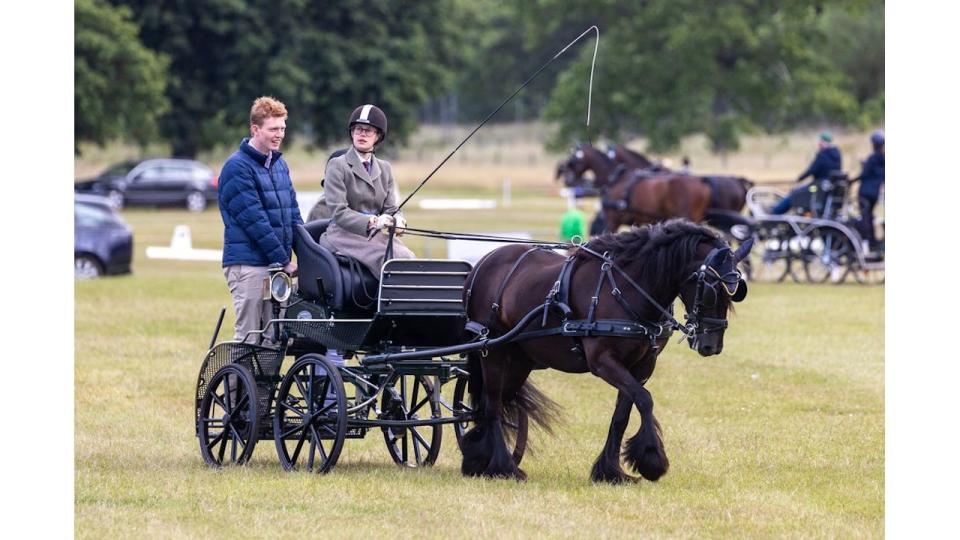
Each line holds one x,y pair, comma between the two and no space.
635,197
663,260
728,193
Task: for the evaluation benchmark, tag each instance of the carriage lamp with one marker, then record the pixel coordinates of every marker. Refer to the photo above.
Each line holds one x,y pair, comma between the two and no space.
281,285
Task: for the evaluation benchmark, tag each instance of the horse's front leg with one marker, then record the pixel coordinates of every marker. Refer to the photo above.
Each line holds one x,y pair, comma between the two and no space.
644,451
607,466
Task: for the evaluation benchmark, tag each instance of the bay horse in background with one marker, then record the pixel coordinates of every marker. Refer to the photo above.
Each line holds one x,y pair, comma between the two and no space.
728,193
616,280
619,153
634,196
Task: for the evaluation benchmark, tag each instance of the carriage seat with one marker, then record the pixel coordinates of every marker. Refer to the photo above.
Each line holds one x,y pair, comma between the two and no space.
341,282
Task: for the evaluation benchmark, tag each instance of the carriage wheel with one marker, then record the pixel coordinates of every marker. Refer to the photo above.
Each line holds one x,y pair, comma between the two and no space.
515,432
310,421
411,399
871,276
229,419
769,261
829,255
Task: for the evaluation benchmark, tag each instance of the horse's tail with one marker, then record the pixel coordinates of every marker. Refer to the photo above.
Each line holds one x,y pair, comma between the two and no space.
539,408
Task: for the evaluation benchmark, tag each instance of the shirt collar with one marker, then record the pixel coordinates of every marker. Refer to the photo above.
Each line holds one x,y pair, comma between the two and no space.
263,159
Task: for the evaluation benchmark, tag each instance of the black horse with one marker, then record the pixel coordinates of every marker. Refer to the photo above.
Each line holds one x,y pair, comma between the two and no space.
616,285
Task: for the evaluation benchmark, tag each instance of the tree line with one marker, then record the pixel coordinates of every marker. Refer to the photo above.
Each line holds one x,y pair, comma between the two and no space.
185,72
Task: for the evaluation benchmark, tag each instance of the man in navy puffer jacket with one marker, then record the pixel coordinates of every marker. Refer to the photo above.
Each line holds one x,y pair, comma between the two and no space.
827,160
259,209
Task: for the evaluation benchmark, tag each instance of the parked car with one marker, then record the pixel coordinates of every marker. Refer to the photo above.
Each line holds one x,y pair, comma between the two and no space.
155,182
102,240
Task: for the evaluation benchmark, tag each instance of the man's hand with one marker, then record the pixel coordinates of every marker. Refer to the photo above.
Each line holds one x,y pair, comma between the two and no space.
290,269
401,225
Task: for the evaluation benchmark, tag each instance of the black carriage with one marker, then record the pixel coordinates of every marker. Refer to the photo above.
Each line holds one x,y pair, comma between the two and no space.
243,394
819,241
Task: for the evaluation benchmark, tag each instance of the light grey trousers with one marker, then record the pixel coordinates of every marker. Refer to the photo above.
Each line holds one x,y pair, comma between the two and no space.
246,284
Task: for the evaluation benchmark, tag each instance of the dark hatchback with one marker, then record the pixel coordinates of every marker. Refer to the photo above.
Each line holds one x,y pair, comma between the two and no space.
155,182
102,241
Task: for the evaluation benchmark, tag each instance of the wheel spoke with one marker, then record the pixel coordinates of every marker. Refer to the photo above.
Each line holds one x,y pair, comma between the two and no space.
215,440
313,449
296,451
217,399
294,409
228,401
323,453
416,447
291,431
418,406
223,448
303,391
242,402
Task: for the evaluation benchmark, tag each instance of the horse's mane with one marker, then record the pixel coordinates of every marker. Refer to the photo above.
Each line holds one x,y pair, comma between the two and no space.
654,252
635,154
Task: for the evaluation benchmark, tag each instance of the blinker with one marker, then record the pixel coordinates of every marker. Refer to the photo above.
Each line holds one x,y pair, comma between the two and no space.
740,292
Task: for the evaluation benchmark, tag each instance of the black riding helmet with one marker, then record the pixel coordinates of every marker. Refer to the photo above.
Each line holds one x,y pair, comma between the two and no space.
372,116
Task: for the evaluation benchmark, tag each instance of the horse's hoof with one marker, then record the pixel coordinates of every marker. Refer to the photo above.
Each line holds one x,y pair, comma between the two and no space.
515,474
653,464
616,479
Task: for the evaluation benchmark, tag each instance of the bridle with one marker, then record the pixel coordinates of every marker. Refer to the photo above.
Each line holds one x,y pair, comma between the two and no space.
707,278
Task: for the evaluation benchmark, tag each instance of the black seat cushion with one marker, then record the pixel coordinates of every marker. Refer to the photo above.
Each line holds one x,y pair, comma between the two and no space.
339,281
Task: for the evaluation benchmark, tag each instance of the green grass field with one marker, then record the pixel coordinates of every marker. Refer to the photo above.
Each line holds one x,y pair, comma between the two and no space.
780,436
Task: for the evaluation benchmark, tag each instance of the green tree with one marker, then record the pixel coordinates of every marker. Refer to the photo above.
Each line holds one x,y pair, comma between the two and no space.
118,83
397,55
320,58
670,68
854,41
224,54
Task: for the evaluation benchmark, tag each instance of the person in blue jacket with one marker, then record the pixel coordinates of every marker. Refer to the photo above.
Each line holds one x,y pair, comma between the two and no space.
828,159
871,179
259,209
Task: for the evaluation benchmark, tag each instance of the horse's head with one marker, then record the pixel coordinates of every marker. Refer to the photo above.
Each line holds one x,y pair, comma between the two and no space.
712,285
573,168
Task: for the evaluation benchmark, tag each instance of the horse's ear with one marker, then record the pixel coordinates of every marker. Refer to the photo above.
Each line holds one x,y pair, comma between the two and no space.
743,250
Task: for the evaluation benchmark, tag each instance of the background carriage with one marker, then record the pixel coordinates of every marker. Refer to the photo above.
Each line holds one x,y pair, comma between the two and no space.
820,238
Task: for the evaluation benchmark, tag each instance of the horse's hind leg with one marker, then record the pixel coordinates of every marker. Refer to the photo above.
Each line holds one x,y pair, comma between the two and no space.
484,447
607,466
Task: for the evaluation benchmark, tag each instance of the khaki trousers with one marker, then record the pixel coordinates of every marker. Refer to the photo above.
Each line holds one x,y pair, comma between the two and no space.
246,284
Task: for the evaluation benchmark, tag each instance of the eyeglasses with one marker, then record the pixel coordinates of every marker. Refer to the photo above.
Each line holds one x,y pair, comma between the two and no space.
366,130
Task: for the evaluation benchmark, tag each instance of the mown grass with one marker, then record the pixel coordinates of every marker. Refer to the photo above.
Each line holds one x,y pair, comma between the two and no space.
781,435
